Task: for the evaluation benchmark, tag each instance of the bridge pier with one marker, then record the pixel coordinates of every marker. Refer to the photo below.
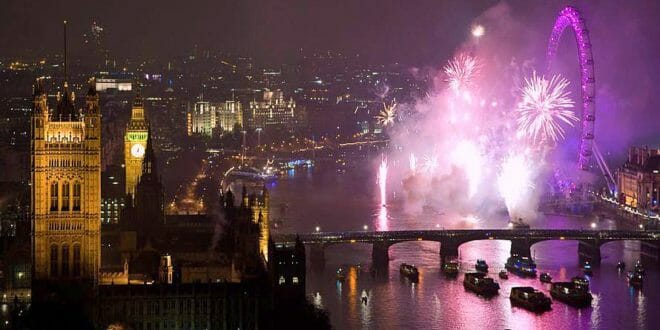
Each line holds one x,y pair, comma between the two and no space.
448,251
650,252
521,247
317,255
380,255
589,250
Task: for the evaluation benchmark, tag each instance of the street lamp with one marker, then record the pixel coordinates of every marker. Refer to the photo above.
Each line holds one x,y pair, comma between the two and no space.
593,225
318,228
365,227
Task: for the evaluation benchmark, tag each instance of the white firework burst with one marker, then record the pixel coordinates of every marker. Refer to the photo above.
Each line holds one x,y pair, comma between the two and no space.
544,107
461,72
429,163
387,116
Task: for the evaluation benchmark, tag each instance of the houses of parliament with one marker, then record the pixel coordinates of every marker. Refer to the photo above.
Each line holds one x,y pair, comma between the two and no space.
155,258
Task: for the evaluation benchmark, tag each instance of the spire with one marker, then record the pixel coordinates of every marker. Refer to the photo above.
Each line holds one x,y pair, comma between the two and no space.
138,102
65,110
65,73
149,164
92,87
38,88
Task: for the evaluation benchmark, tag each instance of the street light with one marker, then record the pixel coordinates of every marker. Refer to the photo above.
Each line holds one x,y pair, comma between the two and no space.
318,228
365,227
593,225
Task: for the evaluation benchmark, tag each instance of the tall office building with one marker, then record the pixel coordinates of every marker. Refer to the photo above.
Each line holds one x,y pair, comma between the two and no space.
205,118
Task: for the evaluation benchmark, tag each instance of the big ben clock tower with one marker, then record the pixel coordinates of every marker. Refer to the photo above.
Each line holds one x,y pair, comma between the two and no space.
135,143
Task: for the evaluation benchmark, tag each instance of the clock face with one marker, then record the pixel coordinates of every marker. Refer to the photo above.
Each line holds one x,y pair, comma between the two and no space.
137,150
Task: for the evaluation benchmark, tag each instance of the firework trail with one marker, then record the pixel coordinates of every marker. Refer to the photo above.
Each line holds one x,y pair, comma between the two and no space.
382,181
429,163
461,72
515,182
387,116
544,107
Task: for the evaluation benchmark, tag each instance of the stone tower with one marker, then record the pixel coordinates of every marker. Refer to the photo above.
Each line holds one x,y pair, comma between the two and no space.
135,145
65,155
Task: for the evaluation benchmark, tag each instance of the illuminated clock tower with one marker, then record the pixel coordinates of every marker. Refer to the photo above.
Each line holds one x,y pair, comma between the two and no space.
135,144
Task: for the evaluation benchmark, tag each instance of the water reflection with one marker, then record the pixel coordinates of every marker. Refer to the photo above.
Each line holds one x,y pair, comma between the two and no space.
438,302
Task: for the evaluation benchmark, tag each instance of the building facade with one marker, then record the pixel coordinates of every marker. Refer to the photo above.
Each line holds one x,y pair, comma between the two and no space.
66,187
135,144
272,111
638,181
207,118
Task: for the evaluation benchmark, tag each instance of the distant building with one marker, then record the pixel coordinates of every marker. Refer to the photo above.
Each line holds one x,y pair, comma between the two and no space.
638,180
117,84
112,194
207,118
287,269
273,111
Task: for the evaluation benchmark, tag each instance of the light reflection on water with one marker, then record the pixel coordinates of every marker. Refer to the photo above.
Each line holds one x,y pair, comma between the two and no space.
344,203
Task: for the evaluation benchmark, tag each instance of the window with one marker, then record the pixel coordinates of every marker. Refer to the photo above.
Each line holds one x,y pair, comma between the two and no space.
65,196
76,196
53,196
76,260
53,261
282,280
294,280
65,260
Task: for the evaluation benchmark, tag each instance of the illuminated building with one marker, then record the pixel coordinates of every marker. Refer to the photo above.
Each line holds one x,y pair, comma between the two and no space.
228,115
206,117
287,269
638,180
118,84
273,110
66,187
135,143
112,194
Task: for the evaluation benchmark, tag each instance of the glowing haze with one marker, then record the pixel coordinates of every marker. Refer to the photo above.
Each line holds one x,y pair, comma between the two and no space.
475,144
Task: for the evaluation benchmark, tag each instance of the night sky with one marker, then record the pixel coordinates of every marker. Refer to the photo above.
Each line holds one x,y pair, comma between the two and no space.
424,33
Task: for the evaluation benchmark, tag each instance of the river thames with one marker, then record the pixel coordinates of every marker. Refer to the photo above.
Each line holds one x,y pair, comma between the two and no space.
308,199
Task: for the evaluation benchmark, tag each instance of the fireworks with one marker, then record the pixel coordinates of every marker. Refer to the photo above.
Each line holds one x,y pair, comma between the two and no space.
412,161
382,181
478,31
461,72
387,116
544,107
467,156
429,163
515,182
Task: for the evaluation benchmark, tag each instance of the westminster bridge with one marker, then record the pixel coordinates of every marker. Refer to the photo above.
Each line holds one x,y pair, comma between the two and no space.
589,241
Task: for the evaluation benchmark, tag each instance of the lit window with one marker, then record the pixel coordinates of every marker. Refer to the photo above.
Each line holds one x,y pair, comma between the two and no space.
282,280
295,280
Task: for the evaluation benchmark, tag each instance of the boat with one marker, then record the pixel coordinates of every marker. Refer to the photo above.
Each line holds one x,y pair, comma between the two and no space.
480,284
580,280
639,268
586,269
450,268
504,275
545,278
341,275
530,299
523,266
621,266
635,279
481,266
409,271
571,293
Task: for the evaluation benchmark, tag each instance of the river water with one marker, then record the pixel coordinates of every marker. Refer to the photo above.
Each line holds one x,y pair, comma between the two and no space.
345,202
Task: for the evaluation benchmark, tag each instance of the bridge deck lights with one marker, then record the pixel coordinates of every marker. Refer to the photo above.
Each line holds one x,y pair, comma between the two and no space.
352,241
562,238
419,238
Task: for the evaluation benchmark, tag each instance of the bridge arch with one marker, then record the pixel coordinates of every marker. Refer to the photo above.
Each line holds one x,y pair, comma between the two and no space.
571,17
